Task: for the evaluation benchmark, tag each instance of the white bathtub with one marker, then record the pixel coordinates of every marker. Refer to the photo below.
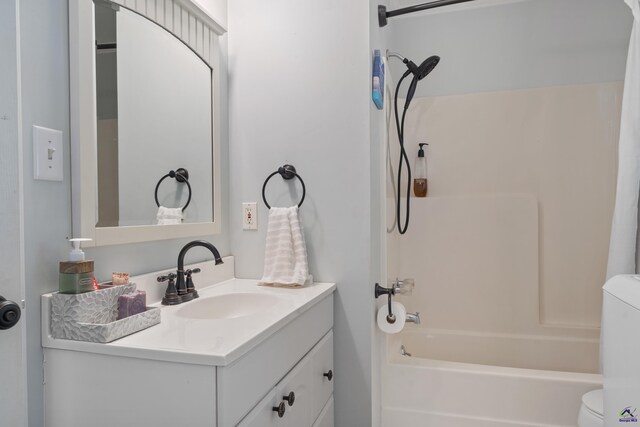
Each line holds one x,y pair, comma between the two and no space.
456,379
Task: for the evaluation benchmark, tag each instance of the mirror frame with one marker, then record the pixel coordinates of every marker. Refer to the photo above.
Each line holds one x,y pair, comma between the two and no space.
196,29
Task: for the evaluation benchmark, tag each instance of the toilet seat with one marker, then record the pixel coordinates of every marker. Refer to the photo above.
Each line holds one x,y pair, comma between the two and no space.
592,410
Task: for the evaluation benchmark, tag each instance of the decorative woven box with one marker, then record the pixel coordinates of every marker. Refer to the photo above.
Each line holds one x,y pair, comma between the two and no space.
91,316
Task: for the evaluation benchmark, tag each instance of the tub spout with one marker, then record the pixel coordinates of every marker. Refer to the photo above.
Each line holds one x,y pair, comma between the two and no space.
413,318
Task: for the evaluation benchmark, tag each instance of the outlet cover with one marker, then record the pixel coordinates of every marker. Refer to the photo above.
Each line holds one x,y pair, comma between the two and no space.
249,216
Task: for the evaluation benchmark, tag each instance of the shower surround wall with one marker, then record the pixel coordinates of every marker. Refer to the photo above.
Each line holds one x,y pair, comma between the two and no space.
513,237
509,249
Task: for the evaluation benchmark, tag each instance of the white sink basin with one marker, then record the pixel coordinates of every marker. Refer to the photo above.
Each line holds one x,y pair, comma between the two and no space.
228,306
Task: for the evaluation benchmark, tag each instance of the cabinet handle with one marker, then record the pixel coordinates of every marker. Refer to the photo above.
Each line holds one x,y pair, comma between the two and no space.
279,409
329,375
290,398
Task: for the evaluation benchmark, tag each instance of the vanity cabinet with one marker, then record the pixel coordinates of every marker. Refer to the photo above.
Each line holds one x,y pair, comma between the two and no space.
141,384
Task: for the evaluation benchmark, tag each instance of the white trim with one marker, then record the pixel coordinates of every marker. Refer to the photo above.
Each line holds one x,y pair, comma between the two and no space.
22,266
192,26
200,14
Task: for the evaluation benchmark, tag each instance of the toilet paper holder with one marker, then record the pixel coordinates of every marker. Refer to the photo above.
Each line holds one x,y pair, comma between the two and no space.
403,287
379,291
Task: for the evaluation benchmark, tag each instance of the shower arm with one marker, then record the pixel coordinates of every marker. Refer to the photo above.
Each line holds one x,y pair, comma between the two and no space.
383,14
395,55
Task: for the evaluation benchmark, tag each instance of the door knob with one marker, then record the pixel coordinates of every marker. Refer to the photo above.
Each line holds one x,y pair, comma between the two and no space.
9,313
329,375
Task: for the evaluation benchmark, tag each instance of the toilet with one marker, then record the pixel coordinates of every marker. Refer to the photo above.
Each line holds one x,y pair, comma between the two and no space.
591,411
618,402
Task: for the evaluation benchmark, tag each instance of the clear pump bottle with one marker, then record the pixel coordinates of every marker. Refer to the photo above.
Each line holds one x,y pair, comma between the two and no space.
76,275
420,173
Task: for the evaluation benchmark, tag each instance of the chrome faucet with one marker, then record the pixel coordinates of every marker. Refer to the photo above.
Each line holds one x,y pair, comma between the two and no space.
184,290
413,318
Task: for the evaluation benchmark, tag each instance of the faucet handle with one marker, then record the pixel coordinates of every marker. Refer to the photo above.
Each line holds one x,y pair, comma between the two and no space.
189,272
191,289
171,294
403,287
169,277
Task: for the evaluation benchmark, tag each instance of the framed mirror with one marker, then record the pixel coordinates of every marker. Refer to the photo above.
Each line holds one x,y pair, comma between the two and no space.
144,127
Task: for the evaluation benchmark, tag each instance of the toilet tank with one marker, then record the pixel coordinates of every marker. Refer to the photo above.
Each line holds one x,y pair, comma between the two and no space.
621,350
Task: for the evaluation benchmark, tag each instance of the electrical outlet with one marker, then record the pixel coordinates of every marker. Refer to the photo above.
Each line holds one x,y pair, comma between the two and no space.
249,216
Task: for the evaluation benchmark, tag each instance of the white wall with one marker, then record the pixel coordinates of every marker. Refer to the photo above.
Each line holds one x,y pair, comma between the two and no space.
515,44
47,213
300,94
45,101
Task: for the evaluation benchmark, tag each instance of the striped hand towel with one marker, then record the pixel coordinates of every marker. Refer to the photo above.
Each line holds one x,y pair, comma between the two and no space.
168,216
285,258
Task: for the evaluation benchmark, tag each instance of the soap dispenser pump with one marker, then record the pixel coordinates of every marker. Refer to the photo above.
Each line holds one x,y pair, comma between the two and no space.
76,275
420,170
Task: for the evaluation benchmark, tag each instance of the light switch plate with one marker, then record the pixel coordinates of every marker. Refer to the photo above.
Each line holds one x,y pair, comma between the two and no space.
47,154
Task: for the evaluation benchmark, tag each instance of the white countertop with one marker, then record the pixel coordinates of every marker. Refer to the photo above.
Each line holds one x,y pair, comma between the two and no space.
216,342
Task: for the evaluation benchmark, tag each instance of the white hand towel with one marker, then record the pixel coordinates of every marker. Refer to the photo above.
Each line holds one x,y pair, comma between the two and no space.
167,216
285,258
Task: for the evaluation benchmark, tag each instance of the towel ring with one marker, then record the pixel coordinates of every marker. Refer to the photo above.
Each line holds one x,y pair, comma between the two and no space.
181,175
287,172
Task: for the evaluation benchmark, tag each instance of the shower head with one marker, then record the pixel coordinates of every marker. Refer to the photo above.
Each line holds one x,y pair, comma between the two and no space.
419,72
426,67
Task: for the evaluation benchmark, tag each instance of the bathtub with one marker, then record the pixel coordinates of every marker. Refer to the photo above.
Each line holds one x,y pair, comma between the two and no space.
455,379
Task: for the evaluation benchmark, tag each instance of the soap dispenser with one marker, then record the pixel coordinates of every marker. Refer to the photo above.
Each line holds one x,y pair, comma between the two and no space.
76,275
420,171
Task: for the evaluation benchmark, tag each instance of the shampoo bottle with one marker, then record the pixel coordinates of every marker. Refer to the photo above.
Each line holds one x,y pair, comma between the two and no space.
420,171
76,275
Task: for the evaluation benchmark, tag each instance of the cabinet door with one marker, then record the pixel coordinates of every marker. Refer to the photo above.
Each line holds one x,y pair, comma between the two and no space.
325,419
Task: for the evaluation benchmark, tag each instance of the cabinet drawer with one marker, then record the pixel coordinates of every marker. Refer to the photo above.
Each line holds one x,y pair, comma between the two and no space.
310,388
325,419
244,383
